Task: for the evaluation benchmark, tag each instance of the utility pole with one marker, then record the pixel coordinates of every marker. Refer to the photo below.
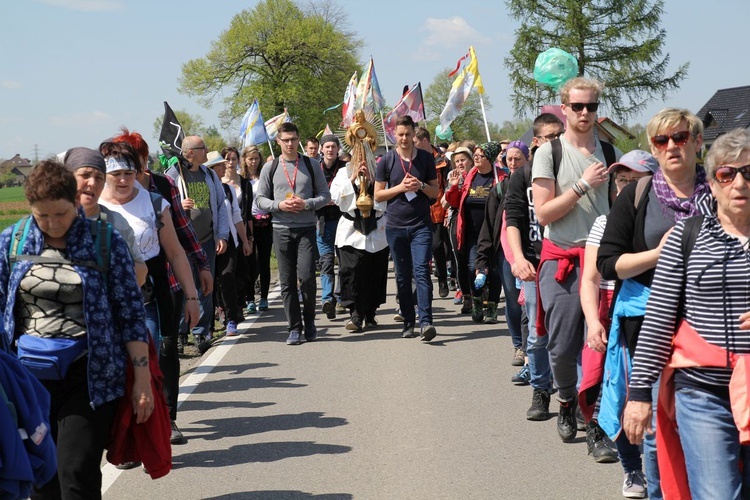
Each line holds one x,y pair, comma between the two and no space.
36,153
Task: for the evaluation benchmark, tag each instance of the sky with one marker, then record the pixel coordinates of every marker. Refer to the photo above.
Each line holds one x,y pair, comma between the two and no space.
72,72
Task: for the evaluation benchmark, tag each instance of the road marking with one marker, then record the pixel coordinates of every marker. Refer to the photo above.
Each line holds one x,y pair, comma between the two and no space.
110,473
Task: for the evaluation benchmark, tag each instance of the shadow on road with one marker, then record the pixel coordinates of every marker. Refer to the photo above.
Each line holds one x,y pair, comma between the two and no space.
244,384
281,495
253,453
221,428
198,405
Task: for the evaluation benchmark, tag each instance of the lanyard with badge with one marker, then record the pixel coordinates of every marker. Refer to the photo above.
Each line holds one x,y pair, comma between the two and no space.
410,195
292,181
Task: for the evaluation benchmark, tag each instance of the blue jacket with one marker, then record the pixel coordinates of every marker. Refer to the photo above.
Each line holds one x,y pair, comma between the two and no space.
24,407
217,197
112,318
631,302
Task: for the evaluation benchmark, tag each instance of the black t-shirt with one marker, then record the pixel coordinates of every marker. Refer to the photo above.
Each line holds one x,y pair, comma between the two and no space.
475,201
391,169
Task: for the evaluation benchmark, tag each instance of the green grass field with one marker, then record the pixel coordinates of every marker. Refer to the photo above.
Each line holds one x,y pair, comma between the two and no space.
12,194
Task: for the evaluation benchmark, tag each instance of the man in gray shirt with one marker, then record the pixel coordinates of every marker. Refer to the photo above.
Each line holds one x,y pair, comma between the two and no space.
293,187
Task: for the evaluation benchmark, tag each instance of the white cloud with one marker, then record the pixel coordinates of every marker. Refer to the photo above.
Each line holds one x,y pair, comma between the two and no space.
11,84
85,5
80,119
451,33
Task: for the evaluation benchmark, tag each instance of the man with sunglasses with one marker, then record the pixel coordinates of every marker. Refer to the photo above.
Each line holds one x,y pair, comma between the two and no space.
568,198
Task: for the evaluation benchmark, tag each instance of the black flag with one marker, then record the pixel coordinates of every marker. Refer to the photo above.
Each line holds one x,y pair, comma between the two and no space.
171,135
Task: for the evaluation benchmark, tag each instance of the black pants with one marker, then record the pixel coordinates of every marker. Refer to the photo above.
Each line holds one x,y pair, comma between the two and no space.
363,277
169,361
295,253
259,262
439,244
225,282
80,433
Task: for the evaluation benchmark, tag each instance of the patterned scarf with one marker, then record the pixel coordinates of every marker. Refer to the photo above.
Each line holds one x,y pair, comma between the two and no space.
686,208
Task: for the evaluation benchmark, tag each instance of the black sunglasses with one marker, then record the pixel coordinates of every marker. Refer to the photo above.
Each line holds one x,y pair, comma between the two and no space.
679,139
727,174
590,106
549,137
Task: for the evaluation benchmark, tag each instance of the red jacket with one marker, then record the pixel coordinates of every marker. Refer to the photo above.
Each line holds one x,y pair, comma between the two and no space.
456,198
147,442
690,350
565,265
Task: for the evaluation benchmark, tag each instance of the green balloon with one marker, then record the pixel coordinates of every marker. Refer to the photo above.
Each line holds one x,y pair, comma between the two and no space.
446,134
554,67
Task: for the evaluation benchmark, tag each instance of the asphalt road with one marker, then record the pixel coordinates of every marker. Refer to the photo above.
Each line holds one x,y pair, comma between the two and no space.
366,416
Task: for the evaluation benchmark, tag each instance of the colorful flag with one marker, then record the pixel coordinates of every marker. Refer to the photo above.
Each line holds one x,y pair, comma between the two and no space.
350,102
171,135
272,124
410,104
467,79
252,129
369,97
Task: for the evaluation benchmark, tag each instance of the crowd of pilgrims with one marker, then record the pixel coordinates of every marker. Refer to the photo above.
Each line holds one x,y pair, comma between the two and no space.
623,278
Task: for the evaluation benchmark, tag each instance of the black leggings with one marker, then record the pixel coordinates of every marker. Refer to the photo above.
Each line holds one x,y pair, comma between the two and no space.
260,262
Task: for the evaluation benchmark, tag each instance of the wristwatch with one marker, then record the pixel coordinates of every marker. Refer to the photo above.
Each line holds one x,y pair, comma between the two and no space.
421,188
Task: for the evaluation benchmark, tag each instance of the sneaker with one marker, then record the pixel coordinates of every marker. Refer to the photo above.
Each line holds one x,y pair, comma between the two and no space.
340,307
397,317
294,338
599,445
459,298
127,465
452,285
428,333
354,324
250,308
477,310
539,409
311,332
177,437
580,420
232,329
329,309
408,331
634,485
370,322
466,305
181,343
518,358
491,317
566,421
443,289
263,305
523,377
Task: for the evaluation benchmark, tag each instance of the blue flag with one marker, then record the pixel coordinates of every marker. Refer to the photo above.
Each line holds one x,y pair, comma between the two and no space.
253,129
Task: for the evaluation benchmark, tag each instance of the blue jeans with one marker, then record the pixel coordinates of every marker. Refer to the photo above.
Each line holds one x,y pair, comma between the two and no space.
411,249
206,302
512,307
711,443
326,251
651,466
152,323
536,346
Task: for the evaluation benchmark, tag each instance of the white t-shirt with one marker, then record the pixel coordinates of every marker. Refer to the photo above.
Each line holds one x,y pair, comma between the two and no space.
139,213
594,240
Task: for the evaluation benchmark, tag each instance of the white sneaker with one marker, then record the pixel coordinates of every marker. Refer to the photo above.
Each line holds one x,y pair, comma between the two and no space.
634,485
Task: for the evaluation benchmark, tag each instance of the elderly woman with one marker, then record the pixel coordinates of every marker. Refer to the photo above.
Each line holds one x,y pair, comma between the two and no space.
470,200
462,160
636,230
696,331
57,290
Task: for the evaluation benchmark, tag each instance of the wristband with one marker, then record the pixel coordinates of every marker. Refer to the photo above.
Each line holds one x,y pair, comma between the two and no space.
191,298
585,184
577,190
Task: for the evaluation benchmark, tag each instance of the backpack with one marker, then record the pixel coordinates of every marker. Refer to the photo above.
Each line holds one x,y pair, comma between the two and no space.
308,164
101,232
609,158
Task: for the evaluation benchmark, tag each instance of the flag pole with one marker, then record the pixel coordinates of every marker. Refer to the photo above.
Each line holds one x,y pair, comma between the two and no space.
385,137
484,117
270,148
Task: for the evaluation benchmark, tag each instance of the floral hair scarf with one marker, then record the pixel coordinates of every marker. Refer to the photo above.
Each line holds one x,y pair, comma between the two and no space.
685,208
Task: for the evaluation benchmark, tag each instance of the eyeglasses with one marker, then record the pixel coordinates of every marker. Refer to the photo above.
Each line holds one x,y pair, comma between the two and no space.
289,140
549,137
479,157
727,174
578,106
199,147
679,138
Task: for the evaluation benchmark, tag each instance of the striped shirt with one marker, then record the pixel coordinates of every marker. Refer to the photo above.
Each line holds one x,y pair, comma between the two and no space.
594,240
716,292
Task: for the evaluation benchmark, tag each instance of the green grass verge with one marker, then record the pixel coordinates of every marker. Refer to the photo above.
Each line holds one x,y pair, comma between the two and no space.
13,194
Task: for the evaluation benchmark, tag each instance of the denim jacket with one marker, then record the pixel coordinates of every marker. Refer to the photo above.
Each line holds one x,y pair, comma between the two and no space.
112,318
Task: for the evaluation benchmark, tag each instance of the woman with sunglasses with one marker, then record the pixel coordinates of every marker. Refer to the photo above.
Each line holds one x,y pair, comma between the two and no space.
638,226
697,330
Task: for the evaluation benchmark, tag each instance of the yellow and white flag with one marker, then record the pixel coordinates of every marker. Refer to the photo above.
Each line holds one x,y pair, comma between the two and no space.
467,79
